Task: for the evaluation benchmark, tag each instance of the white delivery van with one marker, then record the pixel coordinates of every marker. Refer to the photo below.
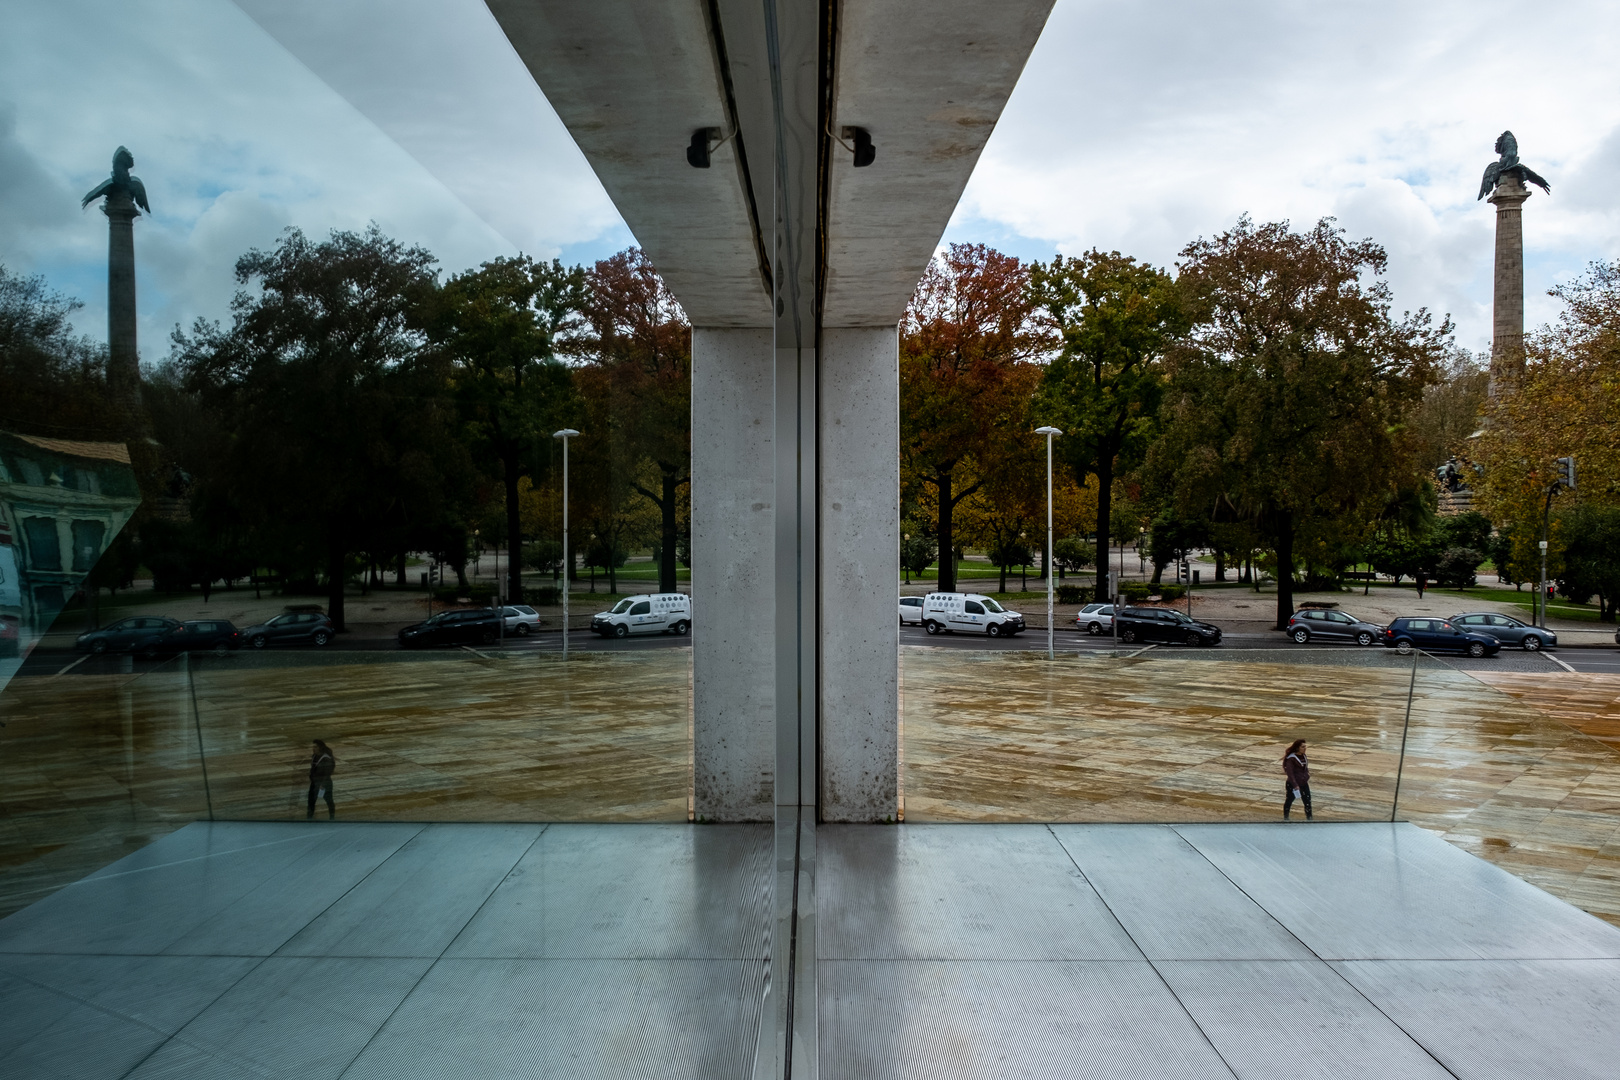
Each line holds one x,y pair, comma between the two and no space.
657,613
970,613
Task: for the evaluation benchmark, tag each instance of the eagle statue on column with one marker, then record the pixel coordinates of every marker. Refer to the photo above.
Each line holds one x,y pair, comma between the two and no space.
1509,164
120,180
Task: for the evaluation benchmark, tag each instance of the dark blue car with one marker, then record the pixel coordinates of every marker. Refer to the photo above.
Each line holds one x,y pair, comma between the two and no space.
1437,635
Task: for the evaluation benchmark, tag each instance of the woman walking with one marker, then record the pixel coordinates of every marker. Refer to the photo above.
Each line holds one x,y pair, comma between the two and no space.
1297,786
321,764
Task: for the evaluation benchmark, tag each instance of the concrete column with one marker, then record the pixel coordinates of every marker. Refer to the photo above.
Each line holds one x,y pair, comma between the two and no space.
733,532
1507,324
123,359
860,569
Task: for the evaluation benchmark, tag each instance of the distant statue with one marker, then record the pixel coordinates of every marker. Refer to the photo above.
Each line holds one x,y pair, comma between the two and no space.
1509,165
120,180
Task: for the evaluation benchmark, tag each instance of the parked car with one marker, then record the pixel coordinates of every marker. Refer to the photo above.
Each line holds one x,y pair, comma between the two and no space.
1311,624
1095,618
911,610
125,634
475,626
520,619
293,628
1506,629
656,613
970,613
1437,635
197,635
1165,625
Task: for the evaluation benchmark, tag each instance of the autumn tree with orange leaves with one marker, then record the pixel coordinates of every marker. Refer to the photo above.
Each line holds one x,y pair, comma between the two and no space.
968,345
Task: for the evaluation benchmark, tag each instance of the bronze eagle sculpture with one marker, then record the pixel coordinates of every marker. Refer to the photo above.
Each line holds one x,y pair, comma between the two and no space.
1509,164
120,180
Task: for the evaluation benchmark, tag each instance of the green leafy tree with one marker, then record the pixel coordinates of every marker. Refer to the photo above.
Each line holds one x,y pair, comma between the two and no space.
1591,536
1103,388
337,427
1291,389
499,326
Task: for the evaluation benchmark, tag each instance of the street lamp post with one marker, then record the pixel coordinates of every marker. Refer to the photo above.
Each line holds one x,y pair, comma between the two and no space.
1050,645
565,434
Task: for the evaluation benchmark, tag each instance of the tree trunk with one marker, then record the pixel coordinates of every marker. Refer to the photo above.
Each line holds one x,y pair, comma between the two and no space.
947,545
1220,565
1285,570
666,552
514,529
335,558
399,571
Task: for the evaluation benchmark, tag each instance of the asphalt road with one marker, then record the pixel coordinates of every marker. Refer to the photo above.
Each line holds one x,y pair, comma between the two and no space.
1236,647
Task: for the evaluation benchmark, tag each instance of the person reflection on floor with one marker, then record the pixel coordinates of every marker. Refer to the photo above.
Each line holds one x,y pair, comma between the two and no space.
1297,786
321,764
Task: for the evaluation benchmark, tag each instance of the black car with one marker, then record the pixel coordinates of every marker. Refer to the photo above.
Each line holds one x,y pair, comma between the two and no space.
1437,635
197,635
476,627
1164,625
1506,629
293,628
125,635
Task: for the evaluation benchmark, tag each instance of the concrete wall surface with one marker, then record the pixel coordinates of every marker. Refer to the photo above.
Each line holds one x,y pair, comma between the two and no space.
733,523
860,564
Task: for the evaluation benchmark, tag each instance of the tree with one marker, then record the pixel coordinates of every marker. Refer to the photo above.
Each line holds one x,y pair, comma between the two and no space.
1103,389
640,378
1291,389
1449,414
499,325
966,344
53,382
1591,535
337,429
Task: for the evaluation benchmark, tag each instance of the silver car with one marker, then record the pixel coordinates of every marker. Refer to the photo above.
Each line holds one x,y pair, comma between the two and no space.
1095,619
1323,624
520,619
1506,629
911,610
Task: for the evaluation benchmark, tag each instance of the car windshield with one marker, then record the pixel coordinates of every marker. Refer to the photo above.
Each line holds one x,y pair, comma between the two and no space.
621,607
1179,617
991,606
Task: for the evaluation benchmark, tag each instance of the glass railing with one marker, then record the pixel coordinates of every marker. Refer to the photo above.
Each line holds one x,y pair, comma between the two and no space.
1151,735
103,755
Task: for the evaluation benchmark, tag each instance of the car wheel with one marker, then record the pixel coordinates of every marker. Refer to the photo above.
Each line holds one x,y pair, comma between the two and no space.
99,647
1476,650
522,629
931,626
1404,647
1128,636
221,649
621,631
1364,638
993,630
1301,635
321,637
259,641
1193,637
1531,642
486,637
681,628
1094,629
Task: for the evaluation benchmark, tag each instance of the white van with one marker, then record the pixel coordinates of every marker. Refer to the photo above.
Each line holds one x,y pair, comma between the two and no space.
970,613
657,613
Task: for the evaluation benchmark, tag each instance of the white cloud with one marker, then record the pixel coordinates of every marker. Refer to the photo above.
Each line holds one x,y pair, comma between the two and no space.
1141,126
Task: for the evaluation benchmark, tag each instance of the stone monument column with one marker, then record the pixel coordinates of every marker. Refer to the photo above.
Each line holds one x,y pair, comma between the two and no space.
123,360
1507,326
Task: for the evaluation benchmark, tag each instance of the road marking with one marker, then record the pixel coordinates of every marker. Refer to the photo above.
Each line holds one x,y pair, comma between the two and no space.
1559,662
71,666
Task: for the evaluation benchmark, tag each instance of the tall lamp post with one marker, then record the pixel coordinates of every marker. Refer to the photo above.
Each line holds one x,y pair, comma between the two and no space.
1051,652
565,434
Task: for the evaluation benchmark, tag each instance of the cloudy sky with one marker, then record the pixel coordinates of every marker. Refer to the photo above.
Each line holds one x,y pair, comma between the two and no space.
1137,126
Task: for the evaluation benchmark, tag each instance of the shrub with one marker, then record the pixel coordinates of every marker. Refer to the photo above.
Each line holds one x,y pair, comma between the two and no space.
1136,591
1172,592
545,595
1073,594
1457,566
